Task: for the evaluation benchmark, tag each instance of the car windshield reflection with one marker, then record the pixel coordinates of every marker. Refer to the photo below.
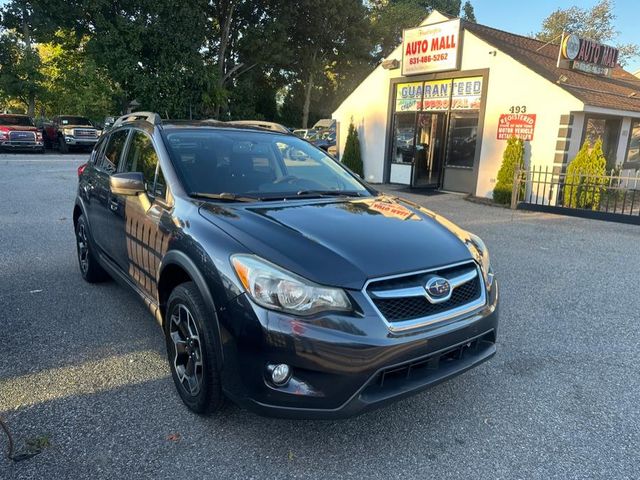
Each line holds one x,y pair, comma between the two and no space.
257,165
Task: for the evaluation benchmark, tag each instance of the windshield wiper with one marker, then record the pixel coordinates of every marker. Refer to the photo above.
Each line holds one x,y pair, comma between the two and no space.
328,193
224,197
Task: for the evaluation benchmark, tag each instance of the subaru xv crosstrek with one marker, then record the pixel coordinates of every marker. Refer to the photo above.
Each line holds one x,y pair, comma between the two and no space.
281,280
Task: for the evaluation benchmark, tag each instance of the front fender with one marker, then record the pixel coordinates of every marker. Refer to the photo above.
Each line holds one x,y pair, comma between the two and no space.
180,259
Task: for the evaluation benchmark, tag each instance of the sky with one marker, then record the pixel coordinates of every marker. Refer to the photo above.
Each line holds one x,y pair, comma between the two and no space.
524,17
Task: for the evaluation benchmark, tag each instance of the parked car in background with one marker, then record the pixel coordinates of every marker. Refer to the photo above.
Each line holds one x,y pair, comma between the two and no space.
108,123
67,131
325,124
18,132
281,280
326,139
333,150
306,133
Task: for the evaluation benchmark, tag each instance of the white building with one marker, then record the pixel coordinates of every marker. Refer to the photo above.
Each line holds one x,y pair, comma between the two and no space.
438,111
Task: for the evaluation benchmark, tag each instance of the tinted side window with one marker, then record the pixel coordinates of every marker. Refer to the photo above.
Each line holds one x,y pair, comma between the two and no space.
142,157
113,151
95,154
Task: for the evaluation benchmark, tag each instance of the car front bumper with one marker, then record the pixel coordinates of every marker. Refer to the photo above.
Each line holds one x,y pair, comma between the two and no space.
80,142
343,365
17,145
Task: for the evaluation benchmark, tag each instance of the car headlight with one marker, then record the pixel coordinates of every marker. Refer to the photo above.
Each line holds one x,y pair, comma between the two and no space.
275,288
68,131
480,253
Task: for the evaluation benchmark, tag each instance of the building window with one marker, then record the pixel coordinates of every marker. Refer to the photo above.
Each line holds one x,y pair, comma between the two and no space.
632,160
403,137
463,135
606,129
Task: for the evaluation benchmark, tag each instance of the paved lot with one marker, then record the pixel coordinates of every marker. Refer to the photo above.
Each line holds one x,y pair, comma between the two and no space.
82,367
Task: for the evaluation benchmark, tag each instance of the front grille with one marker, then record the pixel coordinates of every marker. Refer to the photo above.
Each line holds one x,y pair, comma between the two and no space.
85,133
408,308
27,137
404,307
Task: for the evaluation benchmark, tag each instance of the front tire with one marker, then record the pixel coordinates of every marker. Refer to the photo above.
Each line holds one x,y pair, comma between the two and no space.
191,350
90,269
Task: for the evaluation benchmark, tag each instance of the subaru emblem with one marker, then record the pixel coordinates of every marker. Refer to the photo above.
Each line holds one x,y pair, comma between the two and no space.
438,289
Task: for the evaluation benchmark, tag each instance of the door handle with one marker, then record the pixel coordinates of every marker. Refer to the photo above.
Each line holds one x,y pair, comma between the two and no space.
113,205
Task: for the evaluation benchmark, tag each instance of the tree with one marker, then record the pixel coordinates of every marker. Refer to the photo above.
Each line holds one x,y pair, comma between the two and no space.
351,156
19,62
585,177
320,36
390,17
20,77
467,12
596,23
72,81
151,49
512,159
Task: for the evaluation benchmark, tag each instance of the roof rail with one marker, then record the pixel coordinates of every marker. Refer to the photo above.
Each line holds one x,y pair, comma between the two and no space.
151,117
261,124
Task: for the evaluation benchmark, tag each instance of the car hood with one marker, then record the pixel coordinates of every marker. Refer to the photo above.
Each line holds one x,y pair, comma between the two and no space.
87,127
343,242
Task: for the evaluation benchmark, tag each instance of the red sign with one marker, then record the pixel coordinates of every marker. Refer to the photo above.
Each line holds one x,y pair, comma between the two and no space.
520,125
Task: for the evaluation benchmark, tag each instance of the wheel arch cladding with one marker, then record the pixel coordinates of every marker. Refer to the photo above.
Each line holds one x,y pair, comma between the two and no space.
178,268
77,211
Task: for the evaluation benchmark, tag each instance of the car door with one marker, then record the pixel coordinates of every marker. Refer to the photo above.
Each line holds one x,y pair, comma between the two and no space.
103,206
141,231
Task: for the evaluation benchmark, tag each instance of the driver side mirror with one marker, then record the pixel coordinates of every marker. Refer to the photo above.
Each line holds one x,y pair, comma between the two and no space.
128,184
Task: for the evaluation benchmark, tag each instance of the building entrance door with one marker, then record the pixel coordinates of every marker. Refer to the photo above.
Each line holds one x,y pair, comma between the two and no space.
429,150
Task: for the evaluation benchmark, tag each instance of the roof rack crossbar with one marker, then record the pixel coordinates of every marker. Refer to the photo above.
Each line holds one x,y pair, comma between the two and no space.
151,117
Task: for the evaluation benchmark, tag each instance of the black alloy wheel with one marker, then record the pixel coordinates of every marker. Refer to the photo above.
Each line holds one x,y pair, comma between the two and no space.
191,339
187,353
90,269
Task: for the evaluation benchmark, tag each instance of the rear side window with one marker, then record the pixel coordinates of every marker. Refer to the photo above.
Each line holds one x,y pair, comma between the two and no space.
113,150
142,157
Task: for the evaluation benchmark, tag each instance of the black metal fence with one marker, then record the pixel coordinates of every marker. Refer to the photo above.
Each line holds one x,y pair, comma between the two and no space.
607,197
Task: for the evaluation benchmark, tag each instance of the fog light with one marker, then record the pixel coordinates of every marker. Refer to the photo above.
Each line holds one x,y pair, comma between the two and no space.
280,374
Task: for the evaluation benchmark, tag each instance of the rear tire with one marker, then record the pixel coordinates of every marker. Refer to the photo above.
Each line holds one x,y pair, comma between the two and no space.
191,350
90,269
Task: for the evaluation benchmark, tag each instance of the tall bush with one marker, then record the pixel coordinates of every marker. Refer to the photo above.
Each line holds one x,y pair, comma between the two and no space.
351,156
585,178
512,158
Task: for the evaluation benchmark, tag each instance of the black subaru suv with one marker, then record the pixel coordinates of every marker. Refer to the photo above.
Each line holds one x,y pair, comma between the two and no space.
281,280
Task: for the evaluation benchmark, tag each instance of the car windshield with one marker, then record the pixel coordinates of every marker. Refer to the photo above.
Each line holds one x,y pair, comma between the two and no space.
17,120
75,121
257,165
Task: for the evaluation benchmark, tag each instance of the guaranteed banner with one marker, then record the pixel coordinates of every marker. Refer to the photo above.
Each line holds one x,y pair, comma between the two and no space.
437,95
409,97
466,93
431,48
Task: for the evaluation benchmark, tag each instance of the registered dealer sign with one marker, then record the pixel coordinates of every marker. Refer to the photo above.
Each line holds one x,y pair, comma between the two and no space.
431,48
519,125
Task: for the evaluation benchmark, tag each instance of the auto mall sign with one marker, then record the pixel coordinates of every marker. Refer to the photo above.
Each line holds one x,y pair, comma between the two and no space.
587,55
431,48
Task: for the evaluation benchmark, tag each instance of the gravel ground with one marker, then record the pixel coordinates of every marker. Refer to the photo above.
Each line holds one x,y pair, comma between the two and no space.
83,369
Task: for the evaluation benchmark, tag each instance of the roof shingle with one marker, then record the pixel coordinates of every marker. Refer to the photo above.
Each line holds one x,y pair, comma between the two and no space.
621,91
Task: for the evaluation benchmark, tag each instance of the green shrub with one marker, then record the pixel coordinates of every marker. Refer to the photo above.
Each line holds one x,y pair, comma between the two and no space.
512,158
585,178
351,156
